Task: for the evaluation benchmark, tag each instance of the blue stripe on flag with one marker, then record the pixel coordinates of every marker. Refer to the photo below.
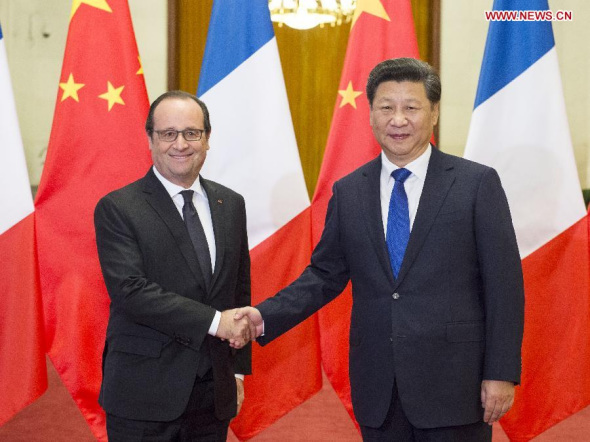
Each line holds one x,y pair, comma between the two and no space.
1,32
237,29
512,47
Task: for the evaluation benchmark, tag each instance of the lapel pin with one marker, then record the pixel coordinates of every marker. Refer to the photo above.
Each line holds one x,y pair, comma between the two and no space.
220,201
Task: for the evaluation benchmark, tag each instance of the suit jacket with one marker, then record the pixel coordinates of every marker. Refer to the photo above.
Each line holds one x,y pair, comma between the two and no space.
160,309
454,315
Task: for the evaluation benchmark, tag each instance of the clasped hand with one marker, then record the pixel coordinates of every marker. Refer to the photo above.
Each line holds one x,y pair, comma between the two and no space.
240,326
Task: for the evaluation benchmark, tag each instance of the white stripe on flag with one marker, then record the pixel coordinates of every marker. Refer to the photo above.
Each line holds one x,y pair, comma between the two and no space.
16,201
522,131
253,146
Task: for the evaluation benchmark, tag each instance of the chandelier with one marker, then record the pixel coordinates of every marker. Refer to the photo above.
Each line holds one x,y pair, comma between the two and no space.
307,14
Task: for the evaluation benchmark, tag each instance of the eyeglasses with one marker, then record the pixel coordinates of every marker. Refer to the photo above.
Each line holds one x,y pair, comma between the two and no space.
170,135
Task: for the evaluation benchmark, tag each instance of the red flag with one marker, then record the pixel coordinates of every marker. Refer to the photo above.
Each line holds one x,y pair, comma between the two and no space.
381,29
556,346
23,377
97,144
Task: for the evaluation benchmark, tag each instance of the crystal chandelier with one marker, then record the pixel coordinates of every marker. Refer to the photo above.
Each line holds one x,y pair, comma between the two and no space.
307,14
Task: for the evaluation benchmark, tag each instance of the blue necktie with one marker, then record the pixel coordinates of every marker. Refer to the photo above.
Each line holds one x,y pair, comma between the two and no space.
398,221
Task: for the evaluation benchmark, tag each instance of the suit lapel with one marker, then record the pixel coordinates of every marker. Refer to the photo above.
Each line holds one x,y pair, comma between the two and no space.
371,201
439,178
160,201
220,220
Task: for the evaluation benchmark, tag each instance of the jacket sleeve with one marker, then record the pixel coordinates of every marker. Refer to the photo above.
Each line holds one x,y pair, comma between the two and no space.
502,281
321,281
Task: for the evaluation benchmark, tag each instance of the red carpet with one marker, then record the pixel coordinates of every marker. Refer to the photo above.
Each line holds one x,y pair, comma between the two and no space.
55,417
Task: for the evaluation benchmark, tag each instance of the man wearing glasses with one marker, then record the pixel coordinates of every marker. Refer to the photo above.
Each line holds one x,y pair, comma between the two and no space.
173,249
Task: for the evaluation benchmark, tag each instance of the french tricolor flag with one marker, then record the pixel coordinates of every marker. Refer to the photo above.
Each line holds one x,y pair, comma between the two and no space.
22,355
519,126
254,151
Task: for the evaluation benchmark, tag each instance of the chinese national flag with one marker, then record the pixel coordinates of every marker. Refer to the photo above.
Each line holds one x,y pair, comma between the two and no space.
97,144
381,29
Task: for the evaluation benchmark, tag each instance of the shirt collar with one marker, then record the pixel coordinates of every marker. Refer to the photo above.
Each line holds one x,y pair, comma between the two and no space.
175,189
418,167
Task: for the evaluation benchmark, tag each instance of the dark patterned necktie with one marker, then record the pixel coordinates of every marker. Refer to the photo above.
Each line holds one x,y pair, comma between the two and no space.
197,234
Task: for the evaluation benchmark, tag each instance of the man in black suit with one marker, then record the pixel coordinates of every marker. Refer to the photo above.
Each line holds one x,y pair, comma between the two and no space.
427,241
174,254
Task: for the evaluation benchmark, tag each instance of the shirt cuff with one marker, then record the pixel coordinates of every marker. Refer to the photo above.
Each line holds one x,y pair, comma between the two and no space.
215,324
239,376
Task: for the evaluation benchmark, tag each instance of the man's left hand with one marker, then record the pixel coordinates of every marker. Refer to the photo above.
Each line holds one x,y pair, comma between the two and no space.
496,399
240,385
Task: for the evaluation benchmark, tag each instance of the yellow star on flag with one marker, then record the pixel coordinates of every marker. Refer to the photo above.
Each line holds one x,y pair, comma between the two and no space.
140,71
70,88
113,95
349,95
99,4
373,7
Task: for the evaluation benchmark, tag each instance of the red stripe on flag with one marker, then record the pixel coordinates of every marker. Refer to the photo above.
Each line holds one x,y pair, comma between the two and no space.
556,345
351,144
287,371
23,377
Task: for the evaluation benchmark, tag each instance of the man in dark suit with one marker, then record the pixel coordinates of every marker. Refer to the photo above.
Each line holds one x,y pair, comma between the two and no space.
174,254
427,241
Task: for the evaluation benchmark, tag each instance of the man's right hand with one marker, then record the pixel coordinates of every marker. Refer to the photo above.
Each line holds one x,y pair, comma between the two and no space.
254,317
238,331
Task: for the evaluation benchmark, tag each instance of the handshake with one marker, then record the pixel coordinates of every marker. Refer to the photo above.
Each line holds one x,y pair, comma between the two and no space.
240,326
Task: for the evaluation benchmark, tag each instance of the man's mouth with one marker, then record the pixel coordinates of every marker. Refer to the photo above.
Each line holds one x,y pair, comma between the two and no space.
399,137
181,157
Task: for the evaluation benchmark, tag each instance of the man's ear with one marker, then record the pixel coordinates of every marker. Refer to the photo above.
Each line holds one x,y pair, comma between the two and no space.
435,113
206,141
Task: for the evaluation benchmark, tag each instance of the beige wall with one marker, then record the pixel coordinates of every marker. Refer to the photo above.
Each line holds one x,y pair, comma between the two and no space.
463,37
35,34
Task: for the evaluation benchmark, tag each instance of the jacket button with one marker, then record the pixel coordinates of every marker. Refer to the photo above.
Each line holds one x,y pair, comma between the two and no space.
395,296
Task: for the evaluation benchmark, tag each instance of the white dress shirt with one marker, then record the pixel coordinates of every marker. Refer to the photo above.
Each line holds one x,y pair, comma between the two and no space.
413,184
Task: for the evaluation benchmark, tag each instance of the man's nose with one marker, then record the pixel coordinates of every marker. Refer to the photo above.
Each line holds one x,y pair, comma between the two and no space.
181,142
398,118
